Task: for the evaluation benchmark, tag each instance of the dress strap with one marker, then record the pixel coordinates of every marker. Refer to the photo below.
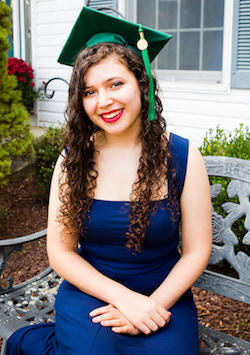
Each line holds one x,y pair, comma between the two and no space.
178,147
66,150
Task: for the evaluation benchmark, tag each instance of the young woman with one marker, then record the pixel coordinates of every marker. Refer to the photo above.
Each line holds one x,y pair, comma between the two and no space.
121,189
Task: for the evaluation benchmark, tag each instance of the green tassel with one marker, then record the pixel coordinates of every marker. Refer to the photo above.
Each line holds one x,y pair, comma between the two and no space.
142,44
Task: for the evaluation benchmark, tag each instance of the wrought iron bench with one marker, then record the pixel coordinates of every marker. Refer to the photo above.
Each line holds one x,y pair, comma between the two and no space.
32,301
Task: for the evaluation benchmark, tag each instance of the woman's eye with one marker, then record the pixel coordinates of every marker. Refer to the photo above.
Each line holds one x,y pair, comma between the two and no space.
116,84
88,93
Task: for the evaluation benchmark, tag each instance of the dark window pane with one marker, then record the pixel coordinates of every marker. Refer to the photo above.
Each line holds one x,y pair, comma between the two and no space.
212,50
189,50
146,12
167,57
167,14
10,51
213,13
190,13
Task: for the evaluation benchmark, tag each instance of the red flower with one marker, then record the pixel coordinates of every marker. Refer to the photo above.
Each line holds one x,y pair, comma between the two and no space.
32,84
21,79
21,70
10,71
30,75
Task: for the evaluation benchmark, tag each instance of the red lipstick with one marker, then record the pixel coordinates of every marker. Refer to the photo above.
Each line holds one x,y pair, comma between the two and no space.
113,119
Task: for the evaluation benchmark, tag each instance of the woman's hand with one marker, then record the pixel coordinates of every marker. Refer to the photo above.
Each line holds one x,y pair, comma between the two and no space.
143,312
109,316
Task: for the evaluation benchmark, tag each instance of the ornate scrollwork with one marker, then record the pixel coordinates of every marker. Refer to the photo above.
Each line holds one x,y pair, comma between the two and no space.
224,239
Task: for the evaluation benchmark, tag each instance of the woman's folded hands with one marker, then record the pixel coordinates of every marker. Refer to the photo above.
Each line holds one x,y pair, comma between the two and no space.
132,314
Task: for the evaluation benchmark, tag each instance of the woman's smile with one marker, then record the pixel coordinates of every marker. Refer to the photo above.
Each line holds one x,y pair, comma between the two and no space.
112,116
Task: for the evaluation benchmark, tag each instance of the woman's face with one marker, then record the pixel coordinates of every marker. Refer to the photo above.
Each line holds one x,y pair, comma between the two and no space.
112,98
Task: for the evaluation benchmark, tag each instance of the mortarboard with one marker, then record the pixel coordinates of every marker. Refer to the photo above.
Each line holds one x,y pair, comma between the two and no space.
92,27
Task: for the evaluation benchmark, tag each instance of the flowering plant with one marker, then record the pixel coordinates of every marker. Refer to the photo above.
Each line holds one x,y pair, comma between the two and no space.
25,76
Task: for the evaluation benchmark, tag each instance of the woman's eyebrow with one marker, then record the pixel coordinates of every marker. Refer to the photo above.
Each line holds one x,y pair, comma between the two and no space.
107,80
115,77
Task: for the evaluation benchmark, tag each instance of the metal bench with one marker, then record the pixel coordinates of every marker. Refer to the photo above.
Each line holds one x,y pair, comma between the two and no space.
32,301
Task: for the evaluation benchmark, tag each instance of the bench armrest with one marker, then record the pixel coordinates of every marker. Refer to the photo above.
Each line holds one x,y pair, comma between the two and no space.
22,240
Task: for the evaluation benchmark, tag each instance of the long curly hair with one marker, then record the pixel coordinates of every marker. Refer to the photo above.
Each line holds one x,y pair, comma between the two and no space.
78,177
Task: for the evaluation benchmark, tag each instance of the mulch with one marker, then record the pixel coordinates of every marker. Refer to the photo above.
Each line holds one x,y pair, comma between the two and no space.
23,211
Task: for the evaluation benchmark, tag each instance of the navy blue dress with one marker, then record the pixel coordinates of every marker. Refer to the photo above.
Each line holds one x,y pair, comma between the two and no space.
104,247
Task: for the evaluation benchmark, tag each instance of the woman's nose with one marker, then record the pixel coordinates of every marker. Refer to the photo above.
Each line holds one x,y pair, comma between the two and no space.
104,99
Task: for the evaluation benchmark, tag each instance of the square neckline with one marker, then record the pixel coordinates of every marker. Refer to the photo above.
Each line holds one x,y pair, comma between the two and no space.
125,201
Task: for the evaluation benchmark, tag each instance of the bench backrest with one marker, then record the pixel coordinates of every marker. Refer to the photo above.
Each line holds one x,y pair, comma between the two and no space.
227,241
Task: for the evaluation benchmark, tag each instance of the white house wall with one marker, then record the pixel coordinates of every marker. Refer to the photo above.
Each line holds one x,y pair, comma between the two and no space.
51,24
190,108
192,114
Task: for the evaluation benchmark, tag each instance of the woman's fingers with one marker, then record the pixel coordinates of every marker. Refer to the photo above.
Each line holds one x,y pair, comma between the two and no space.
161,317
102,317
126,329
114,323
152,326
164,314
154,321
109,316
100,310
143,327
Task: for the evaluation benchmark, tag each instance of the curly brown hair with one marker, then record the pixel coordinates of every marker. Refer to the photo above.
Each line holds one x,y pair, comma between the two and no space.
78,184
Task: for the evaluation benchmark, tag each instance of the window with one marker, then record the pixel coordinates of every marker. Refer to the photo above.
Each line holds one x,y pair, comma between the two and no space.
21,39
197,30
27,30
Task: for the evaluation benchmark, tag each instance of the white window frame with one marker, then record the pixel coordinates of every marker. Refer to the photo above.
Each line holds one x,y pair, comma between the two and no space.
202,81
19,37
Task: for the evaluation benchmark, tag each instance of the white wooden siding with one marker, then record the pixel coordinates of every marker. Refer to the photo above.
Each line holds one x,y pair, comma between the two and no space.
52,23
190,109
192,114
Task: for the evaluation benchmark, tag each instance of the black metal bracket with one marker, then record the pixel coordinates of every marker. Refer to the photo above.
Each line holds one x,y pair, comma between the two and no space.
49,96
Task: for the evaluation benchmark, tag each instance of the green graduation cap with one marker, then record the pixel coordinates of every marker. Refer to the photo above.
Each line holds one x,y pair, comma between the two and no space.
92,27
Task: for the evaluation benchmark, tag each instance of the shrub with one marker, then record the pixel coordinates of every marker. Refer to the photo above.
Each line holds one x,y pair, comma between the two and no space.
25,76
15,135
236,144
47,148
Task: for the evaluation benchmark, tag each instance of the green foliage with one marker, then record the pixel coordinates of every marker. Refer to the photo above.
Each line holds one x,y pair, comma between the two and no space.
47,148
15,136
237,144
